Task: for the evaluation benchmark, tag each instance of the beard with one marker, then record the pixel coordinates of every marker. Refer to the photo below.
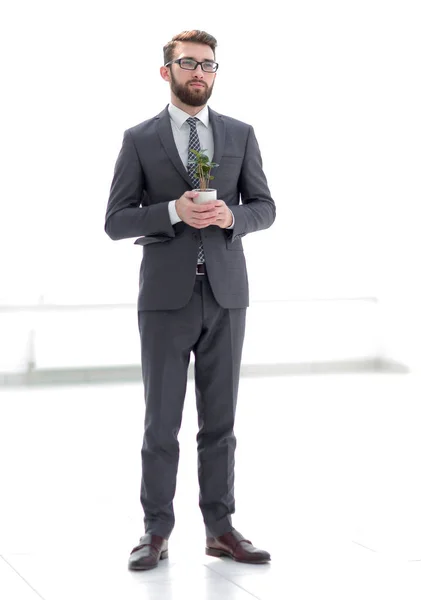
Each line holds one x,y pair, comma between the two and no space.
190,95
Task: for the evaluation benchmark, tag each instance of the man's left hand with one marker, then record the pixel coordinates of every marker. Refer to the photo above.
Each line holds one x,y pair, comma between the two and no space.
223,217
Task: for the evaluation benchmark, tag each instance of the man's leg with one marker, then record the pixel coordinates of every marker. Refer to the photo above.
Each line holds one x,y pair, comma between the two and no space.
217,371
167,338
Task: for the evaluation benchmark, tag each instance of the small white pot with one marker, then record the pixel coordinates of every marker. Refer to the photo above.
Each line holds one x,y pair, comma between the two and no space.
205,195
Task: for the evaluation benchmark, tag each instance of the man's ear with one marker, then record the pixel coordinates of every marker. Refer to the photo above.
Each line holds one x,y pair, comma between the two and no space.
165,73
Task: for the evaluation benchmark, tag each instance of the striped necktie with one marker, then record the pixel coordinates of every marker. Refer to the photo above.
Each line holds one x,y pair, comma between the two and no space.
194,143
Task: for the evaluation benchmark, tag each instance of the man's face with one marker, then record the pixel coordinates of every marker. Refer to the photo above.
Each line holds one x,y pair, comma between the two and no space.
193,88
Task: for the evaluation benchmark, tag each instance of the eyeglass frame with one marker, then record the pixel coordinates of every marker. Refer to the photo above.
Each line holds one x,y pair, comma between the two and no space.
178,61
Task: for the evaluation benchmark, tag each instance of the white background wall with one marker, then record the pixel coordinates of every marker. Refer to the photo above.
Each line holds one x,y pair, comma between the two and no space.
332,89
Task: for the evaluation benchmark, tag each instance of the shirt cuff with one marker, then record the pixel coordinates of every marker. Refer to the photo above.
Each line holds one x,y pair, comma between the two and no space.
174,218
233,220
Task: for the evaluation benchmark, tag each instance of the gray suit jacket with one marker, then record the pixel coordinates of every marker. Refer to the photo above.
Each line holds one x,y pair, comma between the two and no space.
149,174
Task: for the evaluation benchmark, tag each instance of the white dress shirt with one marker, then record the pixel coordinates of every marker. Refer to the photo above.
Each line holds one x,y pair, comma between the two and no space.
181,133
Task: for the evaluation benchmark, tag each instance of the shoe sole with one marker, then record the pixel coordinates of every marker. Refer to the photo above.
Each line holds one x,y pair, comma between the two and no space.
162,556
220,553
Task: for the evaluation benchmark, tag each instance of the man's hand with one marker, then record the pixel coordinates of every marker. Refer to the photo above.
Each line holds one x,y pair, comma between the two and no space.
199,216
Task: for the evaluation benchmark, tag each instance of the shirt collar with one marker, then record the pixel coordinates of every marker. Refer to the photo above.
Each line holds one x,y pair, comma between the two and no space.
179,116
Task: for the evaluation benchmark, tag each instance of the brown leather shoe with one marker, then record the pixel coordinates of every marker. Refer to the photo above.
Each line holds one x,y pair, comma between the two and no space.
234,545
150,550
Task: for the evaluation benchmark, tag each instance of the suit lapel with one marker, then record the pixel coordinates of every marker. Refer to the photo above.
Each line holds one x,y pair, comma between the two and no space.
218,129
167,139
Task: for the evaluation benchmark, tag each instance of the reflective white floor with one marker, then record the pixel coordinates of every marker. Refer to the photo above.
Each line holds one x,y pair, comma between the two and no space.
327,480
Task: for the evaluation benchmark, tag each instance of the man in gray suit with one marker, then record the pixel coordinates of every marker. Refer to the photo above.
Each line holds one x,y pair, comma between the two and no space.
193,293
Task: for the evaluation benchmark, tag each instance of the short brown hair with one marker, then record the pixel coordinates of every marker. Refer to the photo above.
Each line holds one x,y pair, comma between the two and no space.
194,35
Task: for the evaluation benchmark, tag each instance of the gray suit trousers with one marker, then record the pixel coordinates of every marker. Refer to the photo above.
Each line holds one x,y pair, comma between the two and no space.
215,335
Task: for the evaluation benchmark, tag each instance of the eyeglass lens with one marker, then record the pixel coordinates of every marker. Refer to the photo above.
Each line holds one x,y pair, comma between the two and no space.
187,63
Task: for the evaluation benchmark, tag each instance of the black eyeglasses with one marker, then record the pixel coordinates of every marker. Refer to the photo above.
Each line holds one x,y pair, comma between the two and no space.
209,66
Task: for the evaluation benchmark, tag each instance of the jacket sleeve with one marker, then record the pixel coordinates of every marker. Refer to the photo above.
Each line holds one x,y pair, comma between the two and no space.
257,210
125,216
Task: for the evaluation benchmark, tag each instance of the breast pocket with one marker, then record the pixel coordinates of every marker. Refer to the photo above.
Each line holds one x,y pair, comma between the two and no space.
229,168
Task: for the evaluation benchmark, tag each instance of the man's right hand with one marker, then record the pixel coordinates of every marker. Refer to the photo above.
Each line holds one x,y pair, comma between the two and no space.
195,215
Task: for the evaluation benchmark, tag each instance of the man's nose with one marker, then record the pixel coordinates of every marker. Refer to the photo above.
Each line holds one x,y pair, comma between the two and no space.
198,70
